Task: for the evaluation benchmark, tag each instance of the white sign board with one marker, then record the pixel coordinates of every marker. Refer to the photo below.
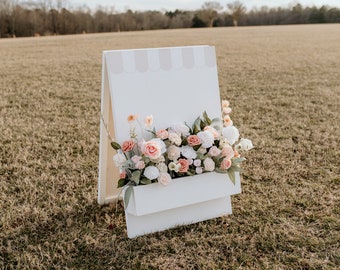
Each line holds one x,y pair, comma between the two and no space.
173,84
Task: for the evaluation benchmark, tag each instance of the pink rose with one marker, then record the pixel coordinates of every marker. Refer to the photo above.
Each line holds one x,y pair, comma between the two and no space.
140,165
164,178
128,146
184,165
197,162
162,134
153,148
193,140
214,151
225,164
199,170
122,175
227,152
136,158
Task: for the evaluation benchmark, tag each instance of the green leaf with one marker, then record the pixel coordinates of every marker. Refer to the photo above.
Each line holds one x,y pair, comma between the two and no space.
127,196
206,118
231,175
190,130
135,177
116,146
121,183
153,132
197,125
196,147
203,125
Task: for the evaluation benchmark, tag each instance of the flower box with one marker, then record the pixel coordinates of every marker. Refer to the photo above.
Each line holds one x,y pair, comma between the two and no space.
185,201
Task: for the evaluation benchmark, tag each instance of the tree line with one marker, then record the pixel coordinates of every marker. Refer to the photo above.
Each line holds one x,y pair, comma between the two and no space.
51,17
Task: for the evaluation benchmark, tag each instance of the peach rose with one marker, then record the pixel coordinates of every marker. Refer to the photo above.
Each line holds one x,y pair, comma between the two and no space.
173,152
149,121
184,165
227,121
193,140
227,110
128,146
225,164
227,152
164,178
209,165
225,103
132,117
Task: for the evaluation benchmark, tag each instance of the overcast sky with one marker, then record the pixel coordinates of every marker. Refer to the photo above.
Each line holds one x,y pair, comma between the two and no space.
122,5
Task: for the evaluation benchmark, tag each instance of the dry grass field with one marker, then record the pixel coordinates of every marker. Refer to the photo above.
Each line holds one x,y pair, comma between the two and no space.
283,83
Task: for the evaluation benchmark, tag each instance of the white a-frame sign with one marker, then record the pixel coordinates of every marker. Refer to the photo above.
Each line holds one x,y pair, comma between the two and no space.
174,85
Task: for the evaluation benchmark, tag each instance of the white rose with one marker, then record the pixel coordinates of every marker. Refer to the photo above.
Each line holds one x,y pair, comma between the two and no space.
245,145
181,129
119,159
231,134
151,172
206,137
175,138
162,167
174,167
188,152
173,152
213,130
209,164
164,178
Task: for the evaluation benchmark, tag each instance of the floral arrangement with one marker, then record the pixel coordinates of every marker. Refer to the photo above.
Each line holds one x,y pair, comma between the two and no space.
179,150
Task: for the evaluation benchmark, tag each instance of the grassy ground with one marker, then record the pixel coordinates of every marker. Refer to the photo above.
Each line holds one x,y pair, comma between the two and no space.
283,84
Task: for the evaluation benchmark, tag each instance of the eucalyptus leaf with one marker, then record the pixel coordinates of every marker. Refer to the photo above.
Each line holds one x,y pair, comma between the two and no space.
145,181
127,195
129,174
116,146
135,177
238,160
218,170
231,175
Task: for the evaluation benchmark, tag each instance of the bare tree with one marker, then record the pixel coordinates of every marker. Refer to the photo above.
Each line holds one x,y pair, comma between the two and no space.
237,9
209,12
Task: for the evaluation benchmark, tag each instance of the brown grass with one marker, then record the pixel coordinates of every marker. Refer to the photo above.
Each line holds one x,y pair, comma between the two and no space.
284,86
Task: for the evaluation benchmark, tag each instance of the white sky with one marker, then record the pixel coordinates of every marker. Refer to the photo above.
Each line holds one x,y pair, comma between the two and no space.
122,5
